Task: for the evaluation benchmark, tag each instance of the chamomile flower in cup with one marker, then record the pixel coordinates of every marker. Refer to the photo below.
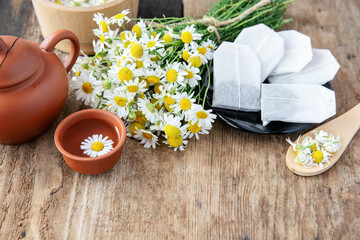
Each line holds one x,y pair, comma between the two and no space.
96,145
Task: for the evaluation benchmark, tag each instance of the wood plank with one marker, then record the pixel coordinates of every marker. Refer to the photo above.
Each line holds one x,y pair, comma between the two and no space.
196,8
227,185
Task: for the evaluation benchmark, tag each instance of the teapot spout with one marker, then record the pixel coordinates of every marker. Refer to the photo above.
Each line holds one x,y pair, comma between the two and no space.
3,46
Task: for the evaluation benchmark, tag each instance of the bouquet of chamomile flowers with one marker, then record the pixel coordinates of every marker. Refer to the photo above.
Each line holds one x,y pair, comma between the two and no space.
149,78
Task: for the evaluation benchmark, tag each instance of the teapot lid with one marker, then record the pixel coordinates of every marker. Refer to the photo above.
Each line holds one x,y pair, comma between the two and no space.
19,60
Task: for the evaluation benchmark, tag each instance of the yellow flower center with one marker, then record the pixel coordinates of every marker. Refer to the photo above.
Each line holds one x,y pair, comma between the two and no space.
150,44
154,59
157,88
186,55
167,38
313,147
211,48
77,73
140,117
120,101
167,107
119,16
201,50
136,50
153,79
153,34
123,36
194,128
135,126
157,106
195,61
169,100
171,130
185,104
104,26
102,38
186,37
87,87
141,95
97,146
172,75
139,64
175,141
201,115
137,30
125,74
318,156
58,2
147,135
189,75
126,44
132,88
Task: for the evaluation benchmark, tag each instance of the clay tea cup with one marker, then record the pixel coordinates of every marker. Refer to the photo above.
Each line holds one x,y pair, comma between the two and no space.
77,127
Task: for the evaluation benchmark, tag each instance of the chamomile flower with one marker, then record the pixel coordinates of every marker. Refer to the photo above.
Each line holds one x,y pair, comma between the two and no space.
149,110
204,117
203,52
176,142
153,76
174,74
132,127
183,104
134,86
86,88
192,77
195,60
96,145
187,52
120,17
146,137
102,22
124,72
210,45
189,34
169,35
172,126
151,42
118,102
194,130
139,29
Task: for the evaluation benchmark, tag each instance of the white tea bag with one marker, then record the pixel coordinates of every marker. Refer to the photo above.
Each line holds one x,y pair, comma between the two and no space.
321,69
266,44
236,78
297,55
297,103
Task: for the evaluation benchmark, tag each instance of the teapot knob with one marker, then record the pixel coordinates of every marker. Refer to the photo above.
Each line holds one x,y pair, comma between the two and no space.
3,46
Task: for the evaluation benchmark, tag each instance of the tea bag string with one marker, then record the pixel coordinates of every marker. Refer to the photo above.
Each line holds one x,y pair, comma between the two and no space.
213,23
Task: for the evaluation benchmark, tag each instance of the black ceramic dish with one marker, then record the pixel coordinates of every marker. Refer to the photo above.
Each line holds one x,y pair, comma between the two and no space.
251,121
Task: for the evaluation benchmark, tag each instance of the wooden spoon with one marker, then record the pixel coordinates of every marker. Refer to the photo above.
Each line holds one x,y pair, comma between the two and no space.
345,125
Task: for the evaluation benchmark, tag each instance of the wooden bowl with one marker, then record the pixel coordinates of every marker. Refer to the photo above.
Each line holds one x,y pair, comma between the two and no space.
79,20
83,124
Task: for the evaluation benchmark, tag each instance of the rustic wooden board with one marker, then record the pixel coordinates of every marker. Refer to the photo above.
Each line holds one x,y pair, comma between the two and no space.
227,185
196,8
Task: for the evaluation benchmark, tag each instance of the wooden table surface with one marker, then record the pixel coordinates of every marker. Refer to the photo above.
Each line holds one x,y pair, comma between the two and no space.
228,185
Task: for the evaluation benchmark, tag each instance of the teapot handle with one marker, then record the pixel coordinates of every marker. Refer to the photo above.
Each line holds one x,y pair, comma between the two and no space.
54,38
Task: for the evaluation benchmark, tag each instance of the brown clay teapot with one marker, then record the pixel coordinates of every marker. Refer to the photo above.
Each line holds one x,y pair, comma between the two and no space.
33,85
